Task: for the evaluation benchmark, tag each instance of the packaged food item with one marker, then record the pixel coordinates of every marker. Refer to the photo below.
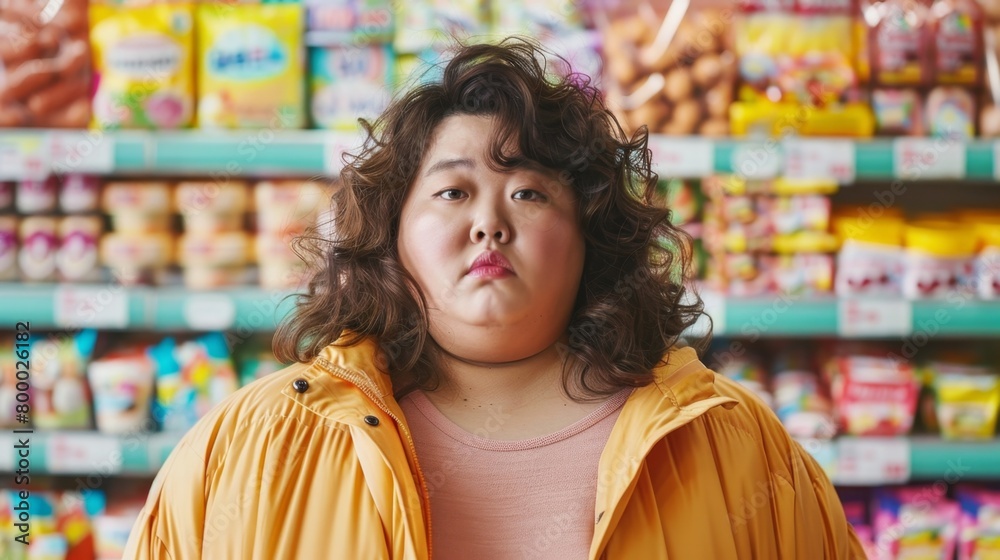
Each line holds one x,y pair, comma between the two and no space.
987,261
137,258
427,24
111,534
957,26
138,207
898,112
39,243
749,371
79,194
8,247
968,399
899,43
288,206
143,58
36,196
45,74
122,384
60,396
280,267
803,273
915,522
250,66
77,256
979,524
870,260
348,83
873,396
191,378
74,512
208,207
951,113
800,402
349,22
938,259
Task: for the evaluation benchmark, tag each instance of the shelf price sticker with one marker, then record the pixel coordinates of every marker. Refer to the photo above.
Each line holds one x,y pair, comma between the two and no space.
820,159
335,145
209,312
81,152
22,156
83,453
915,159
758,160
90,306
682,157
874,317
873,461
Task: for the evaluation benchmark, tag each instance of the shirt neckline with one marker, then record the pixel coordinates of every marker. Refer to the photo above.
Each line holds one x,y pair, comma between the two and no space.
454,431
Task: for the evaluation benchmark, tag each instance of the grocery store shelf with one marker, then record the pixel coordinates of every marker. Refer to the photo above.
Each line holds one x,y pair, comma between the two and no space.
87,453
852,318
267,152
67,306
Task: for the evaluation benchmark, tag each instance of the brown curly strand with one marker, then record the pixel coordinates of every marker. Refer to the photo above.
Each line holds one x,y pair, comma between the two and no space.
631,307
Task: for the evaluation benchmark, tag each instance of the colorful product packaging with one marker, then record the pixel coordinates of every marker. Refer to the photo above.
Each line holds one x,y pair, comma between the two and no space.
250,66
208,207
39,243
77,256
348,83
874,396
800,401
191,378
967,400
61,398
143,63
939,259
979,534
138,206
350,22
914,522
122,385
8,247
870,260
987,260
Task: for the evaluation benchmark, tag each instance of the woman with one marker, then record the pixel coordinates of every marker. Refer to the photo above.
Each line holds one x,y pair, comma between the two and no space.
488,364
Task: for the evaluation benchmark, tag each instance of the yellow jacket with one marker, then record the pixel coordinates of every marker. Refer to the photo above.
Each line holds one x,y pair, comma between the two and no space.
316,461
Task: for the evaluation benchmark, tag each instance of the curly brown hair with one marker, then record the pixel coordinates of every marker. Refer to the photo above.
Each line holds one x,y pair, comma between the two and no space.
632,304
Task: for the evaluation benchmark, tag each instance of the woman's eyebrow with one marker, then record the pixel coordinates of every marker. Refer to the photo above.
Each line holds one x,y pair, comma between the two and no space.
446,164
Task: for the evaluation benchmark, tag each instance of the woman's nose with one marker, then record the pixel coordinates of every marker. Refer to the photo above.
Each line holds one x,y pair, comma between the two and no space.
491,224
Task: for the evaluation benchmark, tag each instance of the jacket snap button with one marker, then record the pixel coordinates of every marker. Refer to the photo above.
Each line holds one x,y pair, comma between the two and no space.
300,385
371,420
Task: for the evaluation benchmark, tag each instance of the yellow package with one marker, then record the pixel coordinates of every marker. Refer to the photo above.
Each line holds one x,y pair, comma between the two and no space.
143,64
250,66
967,403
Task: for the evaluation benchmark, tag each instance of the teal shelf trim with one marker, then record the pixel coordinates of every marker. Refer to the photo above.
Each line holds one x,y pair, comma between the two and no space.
954,461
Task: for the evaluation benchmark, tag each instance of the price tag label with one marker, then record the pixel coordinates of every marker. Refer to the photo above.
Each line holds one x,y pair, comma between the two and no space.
209,312
81,152
928,158
682,157
22,156
874,317
336,144
90,306
757,160
873,461
83,453
820,159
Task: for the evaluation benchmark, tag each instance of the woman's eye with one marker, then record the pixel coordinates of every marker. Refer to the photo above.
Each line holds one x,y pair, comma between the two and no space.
528,194
450,194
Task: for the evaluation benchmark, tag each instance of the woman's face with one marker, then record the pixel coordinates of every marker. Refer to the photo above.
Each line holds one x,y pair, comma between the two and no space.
457,209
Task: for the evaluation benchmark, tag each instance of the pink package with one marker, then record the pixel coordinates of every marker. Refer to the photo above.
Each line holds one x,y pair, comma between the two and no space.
979,524
914,522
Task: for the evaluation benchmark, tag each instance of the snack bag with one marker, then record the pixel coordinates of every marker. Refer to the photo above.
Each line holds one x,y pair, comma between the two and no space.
191,378
143,66
968,399
874,396
59,391
347,83
979,525
915,522
250,66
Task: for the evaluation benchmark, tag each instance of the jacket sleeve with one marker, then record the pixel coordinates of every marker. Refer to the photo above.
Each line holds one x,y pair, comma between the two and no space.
818,513
171,523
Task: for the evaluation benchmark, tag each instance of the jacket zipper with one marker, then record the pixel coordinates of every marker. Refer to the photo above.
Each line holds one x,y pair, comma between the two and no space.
366,387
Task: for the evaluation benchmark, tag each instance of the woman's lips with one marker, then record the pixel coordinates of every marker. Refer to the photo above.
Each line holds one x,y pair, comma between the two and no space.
490,271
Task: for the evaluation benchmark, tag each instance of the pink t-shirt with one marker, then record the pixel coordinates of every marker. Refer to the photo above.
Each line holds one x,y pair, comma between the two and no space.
500,500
